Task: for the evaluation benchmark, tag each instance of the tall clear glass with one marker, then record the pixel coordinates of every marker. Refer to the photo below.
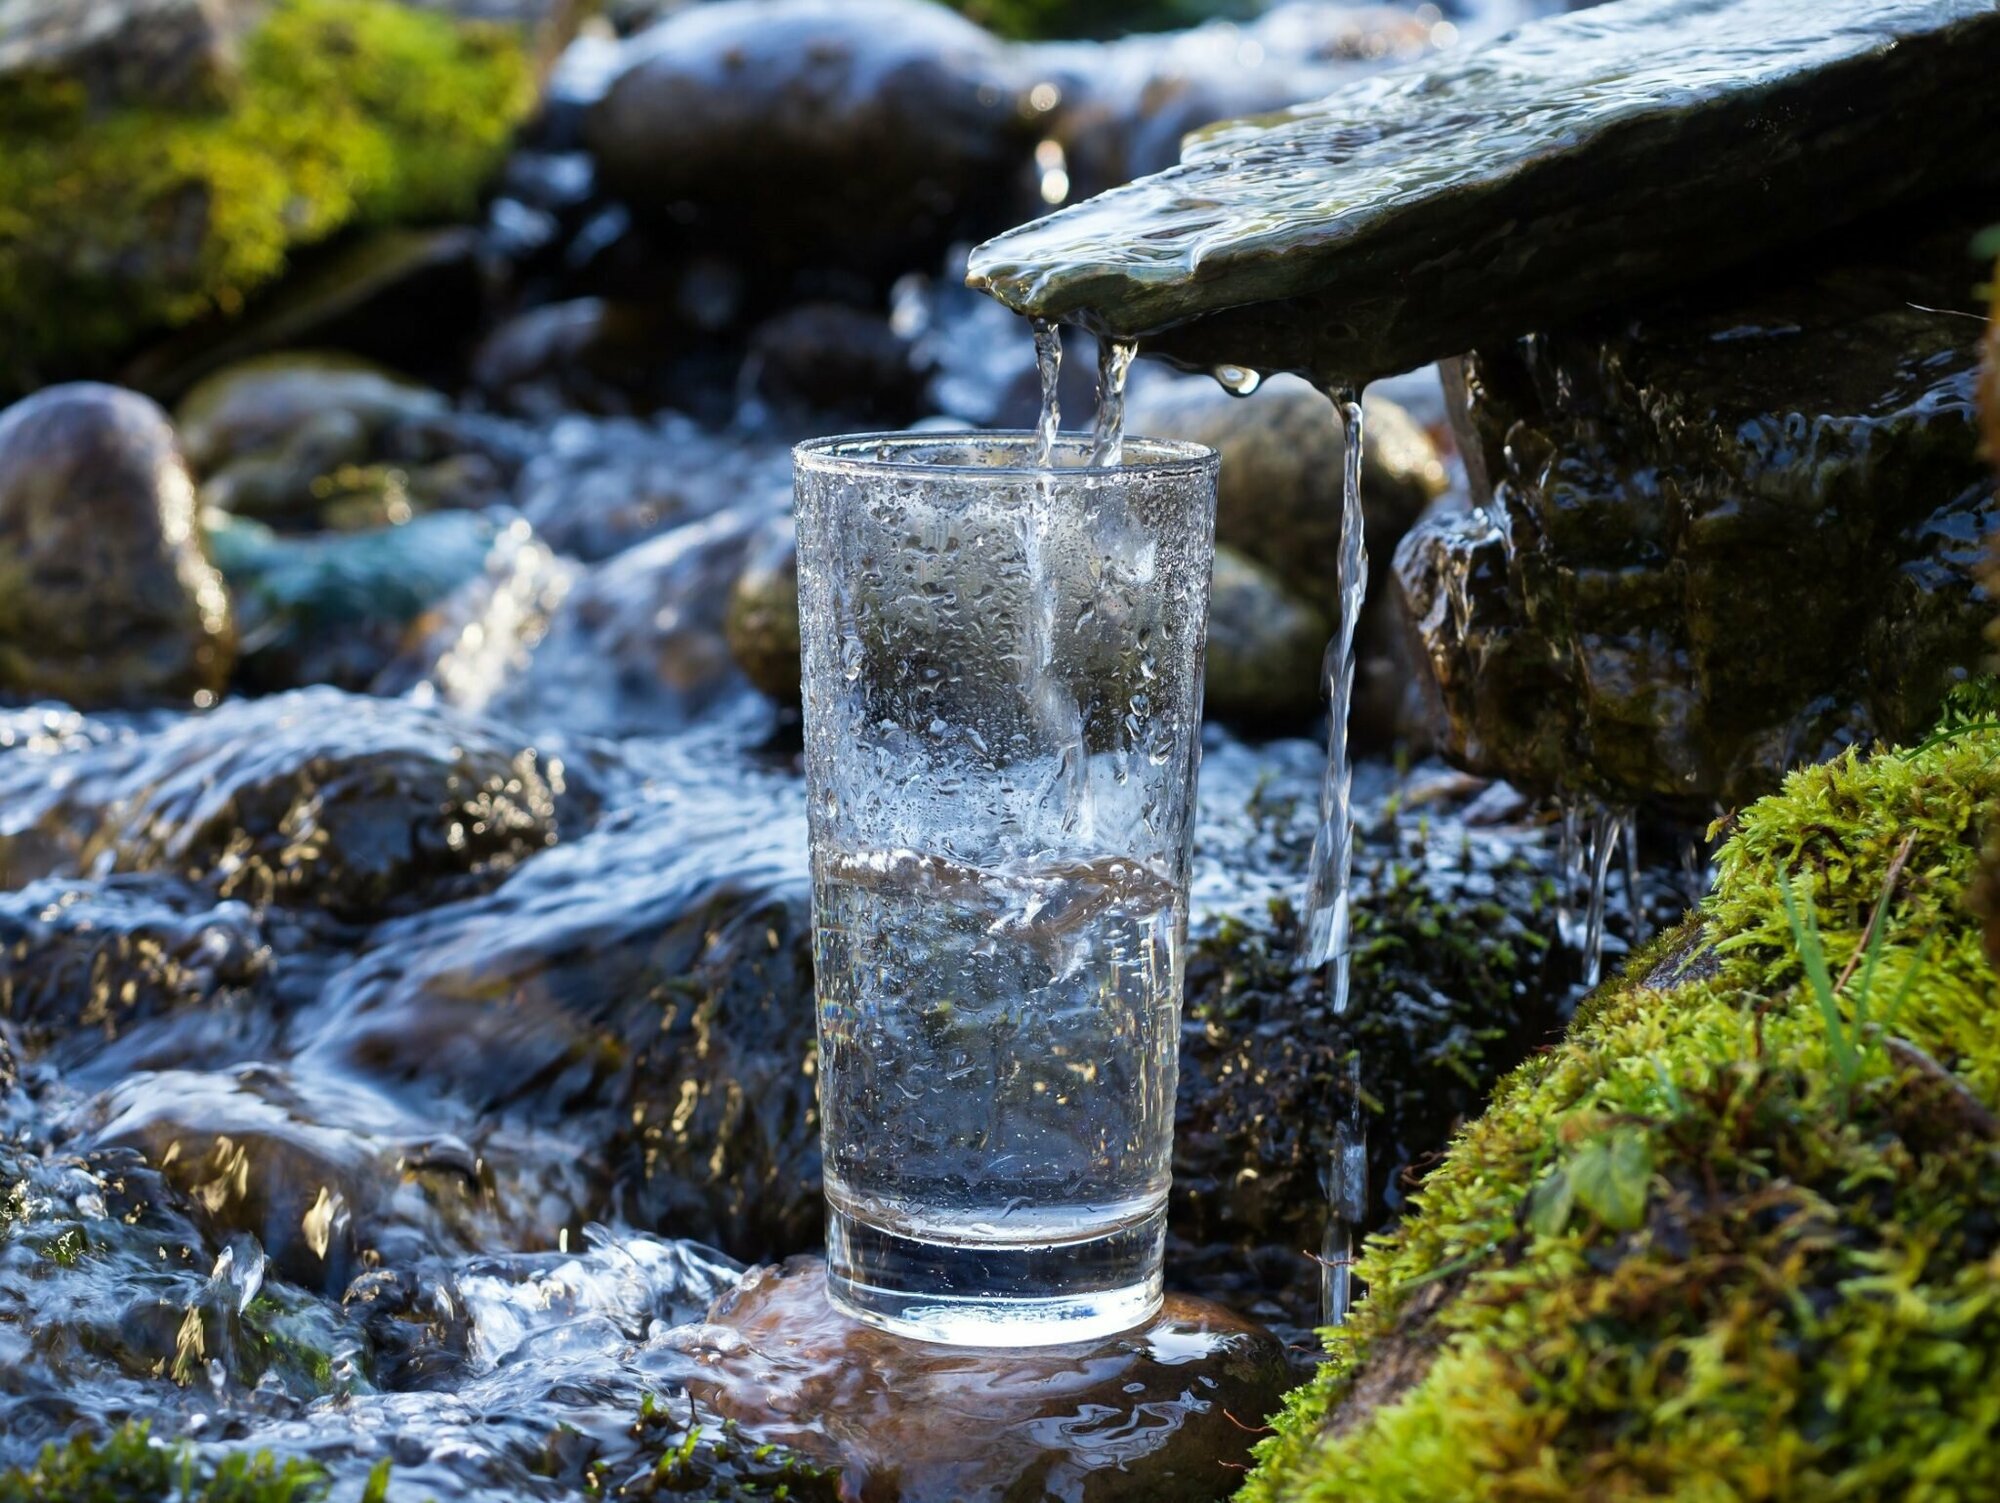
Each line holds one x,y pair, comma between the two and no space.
1002,712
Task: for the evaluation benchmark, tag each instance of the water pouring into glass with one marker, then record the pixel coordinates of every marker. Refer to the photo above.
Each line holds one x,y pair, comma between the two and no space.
1002,641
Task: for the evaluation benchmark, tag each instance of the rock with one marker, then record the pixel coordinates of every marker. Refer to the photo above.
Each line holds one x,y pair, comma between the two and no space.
1692,1132
183,216
106,597
1728,534
585,354
336,608
646,990
763,620
637,646
1582,161
316,800
260,405
1162,1413
827,359
112,52
863,134
1264,648
86,961
1278,494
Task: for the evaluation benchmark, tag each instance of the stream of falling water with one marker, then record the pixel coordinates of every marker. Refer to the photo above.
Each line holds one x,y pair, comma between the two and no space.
1324,941
1048,362
1114,364
1592,834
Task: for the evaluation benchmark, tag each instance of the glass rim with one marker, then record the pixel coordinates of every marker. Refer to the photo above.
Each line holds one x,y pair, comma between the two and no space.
844,453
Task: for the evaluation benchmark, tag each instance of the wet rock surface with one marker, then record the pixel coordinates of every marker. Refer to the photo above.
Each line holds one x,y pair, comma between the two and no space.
1586,160
106,596
854,134
1732,533
1158,1414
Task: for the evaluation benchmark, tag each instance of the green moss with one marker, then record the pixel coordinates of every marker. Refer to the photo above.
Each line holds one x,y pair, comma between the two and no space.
1677,1257
130,1468
1097,18
344,111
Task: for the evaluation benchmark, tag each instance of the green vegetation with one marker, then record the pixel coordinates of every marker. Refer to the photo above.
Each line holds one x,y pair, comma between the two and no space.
344,111
1738,1236
130,1468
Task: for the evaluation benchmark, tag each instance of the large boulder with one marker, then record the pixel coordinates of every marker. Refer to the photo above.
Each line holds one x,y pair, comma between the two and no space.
106,596
859,133
1725,535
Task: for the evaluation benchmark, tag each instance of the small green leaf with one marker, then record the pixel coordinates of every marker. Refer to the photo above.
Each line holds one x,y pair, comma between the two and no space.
1550,1205
1610,1174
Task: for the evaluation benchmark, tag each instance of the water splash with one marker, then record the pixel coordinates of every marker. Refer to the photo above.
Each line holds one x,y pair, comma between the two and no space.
1048,363
1591,836
1114,364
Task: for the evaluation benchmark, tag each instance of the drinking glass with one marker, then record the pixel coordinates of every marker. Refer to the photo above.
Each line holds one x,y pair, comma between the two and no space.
1002,666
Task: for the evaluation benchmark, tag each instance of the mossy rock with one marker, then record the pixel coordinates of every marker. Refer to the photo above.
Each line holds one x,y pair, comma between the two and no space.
1737,1236
120,218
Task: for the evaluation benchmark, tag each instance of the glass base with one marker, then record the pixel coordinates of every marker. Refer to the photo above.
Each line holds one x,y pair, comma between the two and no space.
996,1294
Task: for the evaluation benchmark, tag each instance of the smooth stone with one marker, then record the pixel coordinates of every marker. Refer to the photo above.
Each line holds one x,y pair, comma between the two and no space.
1264,648
1164,1414
1586,159
261,404
106,597
1728,533
578,355
858,133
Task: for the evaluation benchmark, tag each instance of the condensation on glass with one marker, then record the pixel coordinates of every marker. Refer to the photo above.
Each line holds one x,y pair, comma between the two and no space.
1002,716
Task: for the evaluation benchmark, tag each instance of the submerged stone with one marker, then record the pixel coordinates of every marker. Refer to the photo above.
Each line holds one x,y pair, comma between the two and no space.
1584,160
106,595
316,800
1163,1414
1730,533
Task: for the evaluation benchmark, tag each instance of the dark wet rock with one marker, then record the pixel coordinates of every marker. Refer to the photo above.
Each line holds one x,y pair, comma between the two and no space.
336,608
601,487
648,988
321,801
584,354
83,962
163,52
637,647
862,134
828,359
1264,648
106,597
763,620
1732,533
1588,159
1164,1414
